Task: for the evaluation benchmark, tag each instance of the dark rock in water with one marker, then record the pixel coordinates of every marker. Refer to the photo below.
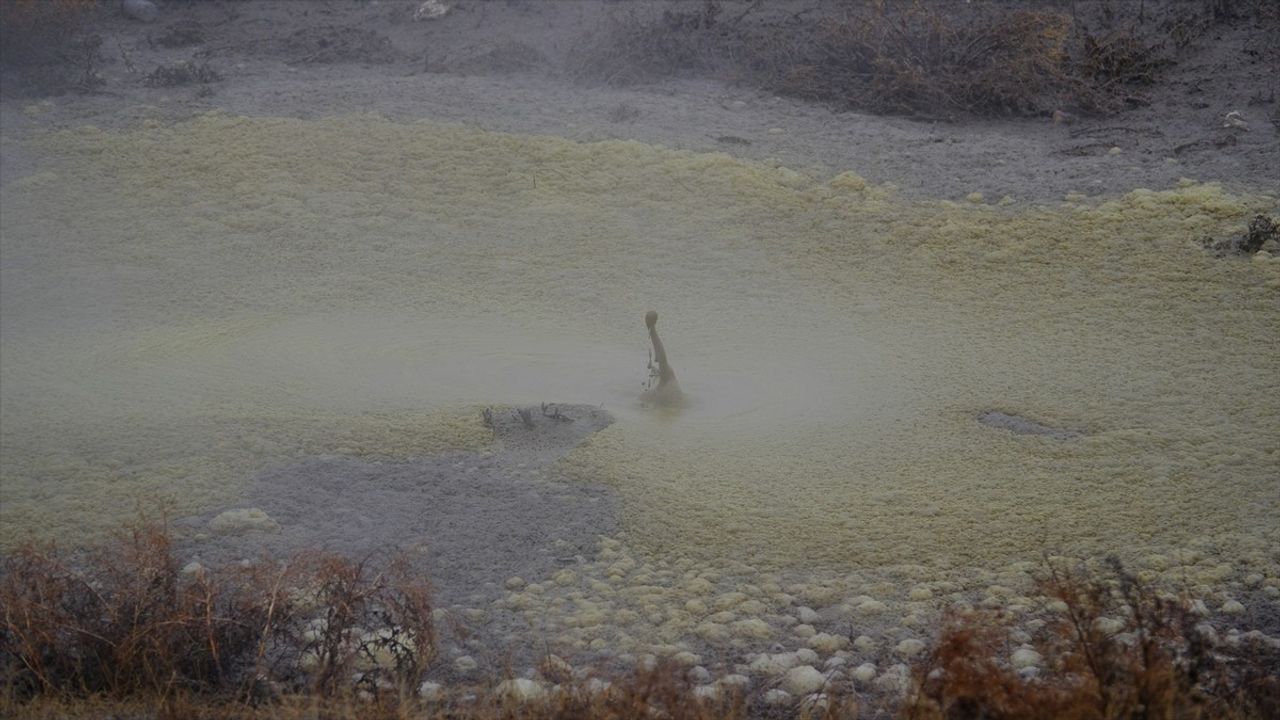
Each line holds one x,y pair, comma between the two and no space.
1023,426
1263,234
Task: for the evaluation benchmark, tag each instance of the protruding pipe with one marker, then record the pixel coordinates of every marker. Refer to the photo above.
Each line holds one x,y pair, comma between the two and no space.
668,390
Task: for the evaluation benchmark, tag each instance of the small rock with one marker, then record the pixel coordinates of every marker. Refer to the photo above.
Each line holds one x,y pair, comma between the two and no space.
910,647
695,607
521,690
141,10
806,615
804,631
686,659
243,520
827,643
1024,657
870,607
1208,633
896,679
777,698
865,644
920,592
1234,119
706,692
729,600
803,680
1108,626
430,10
753,628
806,656
864,673
775,664
712,632
736,681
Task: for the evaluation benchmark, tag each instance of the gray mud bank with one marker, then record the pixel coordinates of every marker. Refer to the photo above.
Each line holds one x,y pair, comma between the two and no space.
468,520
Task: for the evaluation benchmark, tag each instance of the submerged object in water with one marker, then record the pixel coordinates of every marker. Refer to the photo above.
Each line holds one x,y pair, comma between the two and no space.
667,391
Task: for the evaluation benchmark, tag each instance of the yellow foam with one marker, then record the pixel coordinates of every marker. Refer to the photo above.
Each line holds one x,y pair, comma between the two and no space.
185,304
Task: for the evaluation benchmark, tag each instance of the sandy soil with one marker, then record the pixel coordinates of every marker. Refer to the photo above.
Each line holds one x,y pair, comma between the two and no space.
890,321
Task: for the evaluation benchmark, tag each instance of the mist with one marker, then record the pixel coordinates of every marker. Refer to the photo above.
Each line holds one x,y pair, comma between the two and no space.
262,300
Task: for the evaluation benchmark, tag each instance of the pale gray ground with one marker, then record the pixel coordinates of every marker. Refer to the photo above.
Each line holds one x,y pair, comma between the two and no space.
452,69
470,520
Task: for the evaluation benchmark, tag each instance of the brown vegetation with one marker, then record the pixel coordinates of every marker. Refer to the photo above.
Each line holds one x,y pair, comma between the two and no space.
123,632
126,622
915,58
1116,650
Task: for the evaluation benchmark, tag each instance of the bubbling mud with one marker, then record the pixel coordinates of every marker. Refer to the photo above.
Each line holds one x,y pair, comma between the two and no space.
186,304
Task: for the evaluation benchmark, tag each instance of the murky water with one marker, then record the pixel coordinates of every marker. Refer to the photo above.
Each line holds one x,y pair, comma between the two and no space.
184,305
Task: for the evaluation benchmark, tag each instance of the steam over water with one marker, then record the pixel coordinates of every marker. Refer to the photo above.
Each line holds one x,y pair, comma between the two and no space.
185,305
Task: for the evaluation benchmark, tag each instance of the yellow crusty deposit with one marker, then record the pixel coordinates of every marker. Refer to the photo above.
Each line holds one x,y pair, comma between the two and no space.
184,304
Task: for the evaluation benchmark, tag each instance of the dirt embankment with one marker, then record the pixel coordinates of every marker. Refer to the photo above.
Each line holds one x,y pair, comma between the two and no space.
1027,99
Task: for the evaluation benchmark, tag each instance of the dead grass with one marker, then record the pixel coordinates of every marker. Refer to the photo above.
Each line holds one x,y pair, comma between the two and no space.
123,622
921,61
1117,649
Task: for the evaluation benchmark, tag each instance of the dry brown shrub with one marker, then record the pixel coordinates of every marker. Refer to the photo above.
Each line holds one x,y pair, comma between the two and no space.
922,61
123,632
124,622
1158,664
